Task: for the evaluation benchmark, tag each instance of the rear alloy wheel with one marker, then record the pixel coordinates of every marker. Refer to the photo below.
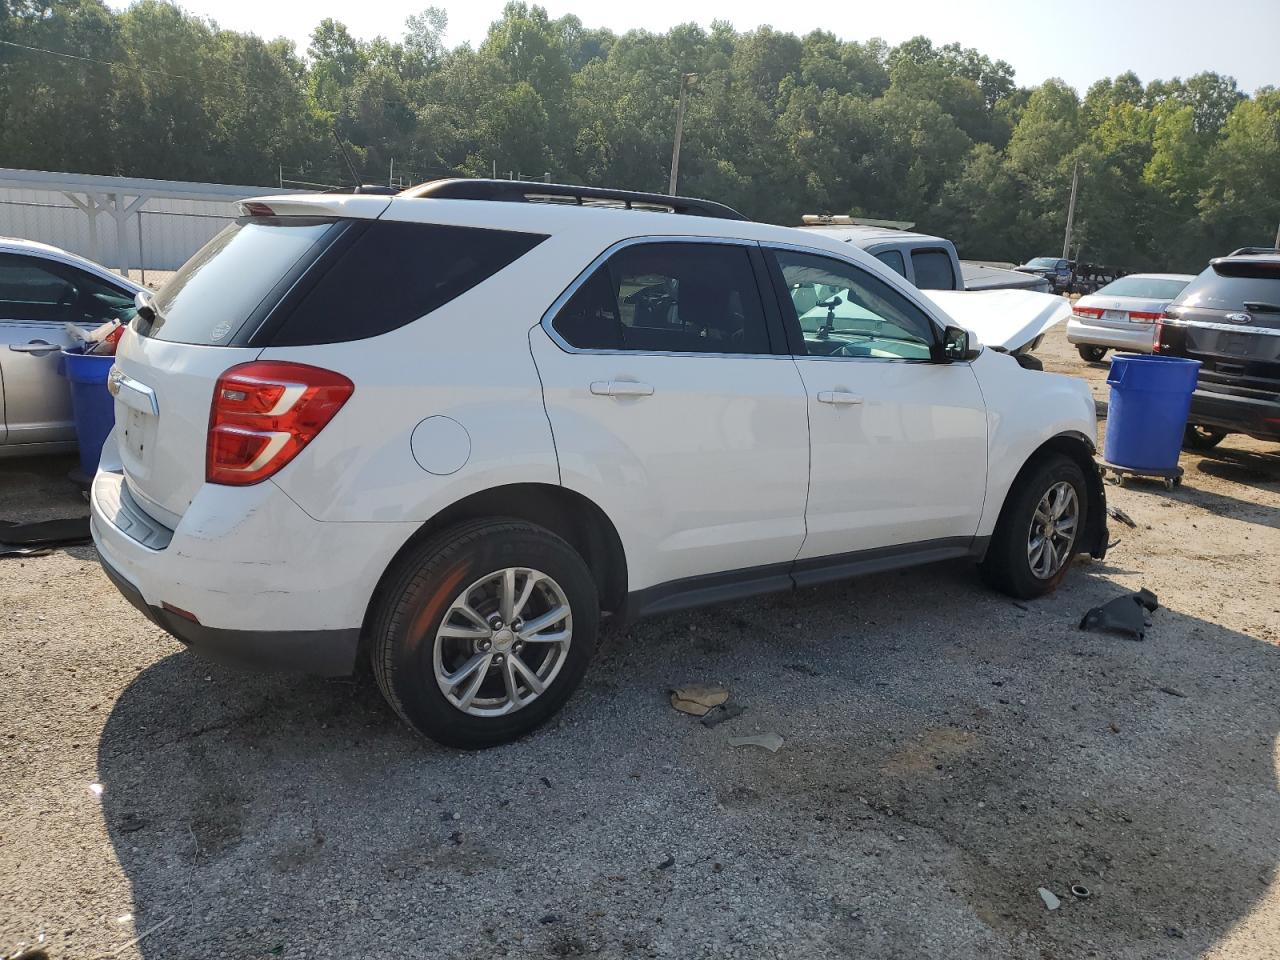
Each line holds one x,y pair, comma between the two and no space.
1196,437
484,632
1039,529
1091,353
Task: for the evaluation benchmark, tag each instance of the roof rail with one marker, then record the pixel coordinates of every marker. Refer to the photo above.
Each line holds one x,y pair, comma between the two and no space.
1245,251
525,191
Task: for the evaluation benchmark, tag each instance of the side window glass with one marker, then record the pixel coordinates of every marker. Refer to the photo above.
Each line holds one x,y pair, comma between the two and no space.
844,311
933,270
98,300
31,291
669,298
893,260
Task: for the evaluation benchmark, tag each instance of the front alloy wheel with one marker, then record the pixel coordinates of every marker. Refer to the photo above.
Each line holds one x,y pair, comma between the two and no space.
1052,533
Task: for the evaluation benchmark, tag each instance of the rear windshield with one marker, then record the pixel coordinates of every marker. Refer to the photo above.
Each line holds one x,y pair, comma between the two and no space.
293,281
1147,288
230,277
1229,286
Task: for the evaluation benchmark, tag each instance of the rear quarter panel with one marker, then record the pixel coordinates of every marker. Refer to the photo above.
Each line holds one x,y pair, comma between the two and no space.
1025,408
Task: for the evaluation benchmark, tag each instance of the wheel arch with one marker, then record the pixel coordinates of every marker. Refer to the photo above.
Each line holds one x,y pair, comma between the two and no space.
1078,447
566,513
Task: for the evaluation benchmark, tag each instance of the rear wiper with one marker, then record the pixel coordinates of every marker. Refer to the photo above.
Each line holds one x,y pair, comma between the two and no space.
1261,306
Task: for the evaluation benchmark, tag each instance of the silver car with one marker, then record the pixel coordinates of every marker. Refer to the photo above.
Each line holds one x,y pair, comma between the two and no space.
42,289
1123,314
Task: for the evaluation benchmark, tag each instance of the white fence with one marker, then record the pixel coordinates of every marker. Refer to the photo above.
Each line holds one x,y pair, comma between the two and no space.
150,224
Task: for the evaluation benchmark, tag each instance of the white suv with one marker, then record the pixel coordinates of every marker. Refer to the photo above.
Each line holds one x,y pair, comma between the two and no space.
446,430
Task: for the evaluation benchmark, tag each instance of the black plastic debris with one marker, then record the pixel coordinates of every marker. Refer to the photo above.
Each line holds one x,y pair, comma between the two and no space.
1120,515
1127,614
718,715
26,538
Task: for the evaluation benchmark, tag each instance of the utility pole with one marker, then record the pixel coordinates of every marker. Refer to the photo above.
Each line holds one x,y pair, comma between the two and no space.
1071,212
686,80
391,173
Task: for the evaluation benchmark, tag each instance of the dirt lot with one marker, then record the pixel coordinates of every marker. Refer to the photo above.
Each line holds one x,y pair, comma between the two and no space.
946,753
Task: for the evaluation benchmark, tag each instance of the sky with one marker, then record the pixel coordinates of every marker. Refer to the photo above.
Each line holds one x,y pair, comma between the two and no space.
1077,40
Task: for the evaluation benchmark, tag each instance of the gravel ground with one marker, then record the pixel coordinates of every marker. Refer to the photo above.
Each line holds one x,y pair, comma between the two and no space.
947,752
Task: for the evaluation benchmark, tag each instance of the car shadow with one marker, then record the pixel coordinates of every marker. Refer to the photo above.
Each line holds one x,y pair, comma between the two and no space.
1248,467
948,751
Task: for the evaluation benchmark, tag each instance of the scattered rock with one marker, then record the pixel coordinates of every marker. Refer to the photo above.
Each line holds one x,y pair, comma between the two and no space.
1050,901
667,864
549,919
1172,691
718,715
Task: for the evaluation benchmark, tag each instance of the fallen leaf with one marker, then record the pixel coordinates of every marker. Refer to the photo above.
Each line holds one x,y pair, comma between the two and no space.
697,700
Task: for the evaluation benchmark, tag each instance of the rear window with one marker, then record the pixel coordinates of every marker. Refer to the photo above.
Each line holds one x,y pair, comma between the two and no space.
1147,288
391,274
293,281
227,281
893,260
1228,286
933,270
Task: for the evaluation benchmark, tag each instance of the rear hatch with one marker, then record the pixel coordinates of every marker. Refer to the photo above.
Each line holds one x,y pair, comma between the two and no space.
1228,318
203,321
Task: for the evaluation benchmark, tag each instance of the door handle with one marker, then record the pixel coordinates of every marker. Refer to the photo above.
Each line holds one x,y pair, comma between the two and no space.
841,398
620,388
35,346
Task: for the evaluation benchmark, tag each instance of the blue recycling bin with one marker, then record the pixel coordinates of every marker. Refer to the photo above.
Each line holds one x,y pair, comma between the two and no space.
91,404
1150,400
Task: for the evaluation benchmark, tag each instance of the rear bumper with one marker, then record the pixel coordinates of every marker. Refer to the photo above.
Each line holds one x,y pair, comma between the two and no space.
328,653
265,583
1135,337
1250,415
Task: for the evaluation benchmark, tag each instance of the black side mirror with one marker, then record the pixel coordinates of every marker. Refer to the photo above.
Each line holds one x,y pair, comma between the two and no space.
954,346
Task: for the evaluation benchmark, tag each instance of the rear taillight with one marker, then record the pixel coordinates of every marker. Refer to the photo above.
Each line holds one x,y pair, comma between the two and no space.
264,412
1157,336
1092,312
1143,316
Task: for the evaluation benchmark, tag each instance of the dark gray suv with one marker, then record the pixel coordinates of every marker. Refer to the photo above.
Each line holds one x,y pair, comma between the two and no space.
1228,318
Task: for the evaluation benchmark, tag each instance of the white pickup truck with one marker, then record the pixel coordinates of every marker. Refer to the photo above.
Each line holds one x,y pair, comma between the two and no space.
931,263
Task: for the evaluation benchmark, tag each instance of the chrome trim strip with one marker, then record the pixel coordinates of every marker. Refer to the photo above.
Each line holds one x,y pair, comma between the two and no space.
1227,327
132,393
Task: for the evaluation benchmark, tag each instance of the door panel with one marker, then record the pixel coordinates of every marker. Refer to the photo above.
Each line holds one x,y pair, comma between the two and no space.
898,443
37,399
670,411
702,462
905,464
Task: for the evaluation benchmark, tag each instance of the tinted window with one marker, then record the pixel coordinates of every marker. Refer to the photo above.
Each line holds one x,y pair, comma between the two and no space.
893,260
933,270
844,311
1228,285
29,291
224,284
1148,288
394,273
669,298
35,289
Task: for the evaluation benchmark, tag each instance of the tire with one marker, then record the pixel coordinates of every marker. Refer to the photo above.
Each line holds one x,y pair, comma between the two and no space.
1196,437
421,595
1091,353
1008,564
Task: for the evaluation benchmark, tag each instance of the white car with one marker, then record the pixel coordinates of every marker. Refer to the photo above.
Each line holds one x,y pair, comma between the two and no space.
42,289
446,430
1123,314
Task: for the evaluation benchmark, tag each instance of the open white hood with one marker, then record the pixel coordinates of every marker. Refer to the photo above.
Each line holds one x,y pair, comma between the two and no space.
1006,319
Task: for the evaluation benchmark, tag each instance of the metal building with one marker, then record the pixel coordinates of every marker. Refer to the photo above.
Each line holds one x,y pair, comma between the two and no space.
121,222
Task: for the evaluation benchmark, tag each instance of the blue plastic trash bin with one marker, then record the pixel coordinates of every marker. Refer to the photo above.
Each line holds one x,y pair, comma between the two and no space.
91,404
1150,400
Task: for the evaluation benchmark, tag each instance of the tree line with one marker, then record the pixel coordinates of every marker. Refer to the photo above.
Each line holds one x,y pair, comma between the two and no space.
778,125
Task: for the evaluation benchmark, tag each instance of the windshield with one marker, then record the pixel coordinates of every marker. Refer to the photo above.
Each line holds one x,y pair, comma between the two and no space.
1041,262
219,288
1228,286
1148,288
